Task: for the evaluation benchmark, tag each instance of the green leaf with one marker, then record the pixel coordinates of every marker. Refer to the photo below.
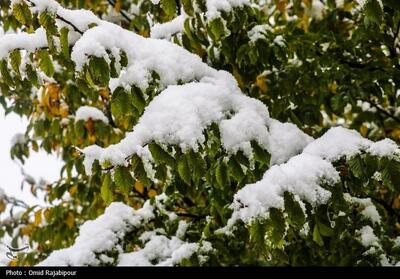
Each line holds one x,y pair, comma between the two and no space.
356,166
325,230
123,180
22,13
139,171
390,172
257,232
317,236
5,74
294,210
217,28
188,7
260,154
47,20
235,169
221,174
120,102
15,60
184,169
160,155
278,225
138,99
99,71
105,190
64,41
32,75
169,7
373,12
45,64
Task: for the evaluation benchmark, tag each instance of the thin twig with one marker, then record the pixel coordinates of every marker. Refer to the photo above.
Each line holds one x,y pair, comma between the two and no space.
121,11
383,111
61,18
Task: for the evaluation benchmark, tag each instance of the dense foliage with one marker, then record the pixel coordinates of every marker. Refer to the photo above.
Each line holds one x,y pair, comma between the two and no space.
314,63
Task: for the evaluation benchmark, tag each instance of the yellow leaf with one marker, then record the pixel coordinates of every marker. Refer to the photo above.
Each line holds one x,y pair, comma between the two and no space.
333,86
46,214
38,217
2,206
152,193
70,220
26,230
35,146
260,81
237,76
13,263
89,124
282,6
73,190
396,203
64,109
104,93
363,130
117,6
139,187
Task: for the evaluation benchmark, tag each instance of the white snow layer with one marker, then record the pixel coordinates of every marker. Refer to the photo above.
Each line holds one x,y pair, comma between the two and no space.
86,112
100,235
168,29
180,113
215,7
304,174
367,237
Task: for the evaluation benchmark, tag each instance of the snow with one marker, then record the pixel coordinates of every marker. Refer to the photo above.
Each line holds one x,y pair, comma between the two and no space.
180,114
369,210
301,175
317,10
159,248
107,233
144,56
215,7
168,29
371,213
86,113
279,41
29,42
91,153
304,174
367,237
384,148
18,138
100,235
80,18
259,32
340,142
286,140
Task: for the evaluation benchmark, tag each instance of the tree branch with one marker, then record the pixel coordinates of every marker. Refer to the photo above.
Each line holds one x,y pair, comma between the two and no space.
383,111
124,15
61,18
